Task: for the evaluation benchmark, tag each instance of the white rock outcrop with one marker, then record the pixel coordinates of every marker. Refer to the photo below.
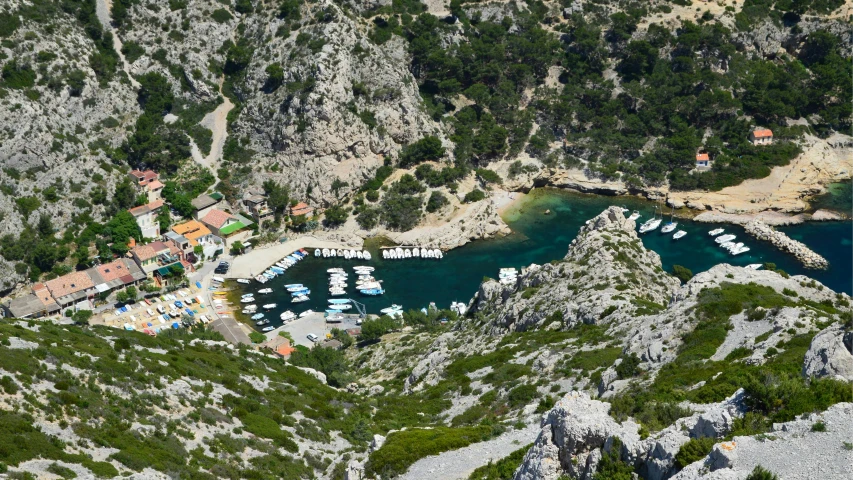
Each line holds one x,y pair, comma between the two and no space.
830,354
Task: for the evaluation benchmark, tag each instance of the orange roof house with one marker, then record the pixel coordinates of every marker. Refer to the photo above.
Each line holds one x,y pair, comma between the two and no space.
702,157
69,288
194,231
301,208
217,218
145,177
761,136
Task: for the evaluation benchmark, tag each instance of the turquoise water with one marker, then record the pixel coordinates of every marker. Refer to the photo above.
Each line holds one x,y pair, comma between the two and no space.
540,238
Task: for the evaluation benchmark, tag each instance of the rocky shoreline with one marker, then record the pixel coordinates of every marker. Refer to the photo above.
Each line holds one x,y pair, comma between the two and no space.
804,254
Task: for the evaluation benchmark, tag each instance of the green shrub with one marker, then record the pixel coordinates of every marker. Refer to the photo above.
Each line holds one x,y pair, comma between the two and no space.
818,427
761,473
682,273
489,176
436,201
427,148
611,466
694,450
474,196
220,15
521,395
629,367
503,469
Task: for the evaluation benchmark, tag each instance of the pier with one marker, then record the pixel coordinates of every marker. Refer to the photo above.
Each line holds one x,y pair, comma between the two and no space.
804,254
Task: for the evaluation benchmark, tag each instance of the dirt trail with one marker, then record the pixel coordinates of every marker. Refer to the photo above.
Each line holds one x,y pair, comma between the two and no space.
217,122
102,10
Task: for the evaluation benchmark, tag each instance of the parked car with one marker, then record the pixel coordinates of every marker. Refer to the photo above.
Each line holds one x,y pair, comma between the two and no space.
313,338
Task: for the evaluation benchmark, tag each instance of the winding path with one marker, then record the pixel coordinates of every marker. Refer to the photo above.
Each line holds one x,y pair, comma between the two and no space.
459,464
102,10
217,122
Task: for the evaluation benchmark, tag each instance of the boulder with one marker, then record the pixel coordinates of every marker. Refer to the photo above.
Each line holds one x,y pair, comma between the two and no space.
828,356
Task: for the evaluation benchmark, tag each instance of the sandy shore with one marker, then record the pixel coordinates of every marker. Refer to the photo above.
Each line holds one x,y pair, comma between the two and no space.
503,200
259,259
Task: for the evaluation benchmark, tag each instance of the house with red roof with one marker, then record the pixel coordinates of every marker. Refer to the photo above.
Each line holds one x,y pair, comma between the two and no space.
761,136
703,161
301,208
222,223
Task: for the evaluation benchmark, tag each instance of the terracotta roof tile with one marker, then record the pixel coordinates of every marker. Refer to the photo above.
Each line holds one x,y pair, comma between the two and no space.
216,218
762,133
67,284
702,157
113,270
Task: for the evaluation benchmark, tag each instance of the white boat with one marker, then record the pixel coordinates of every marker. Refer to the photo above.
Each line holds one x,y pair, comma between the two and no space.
716,232
439,254
508,280
287,315
243,280
265,290
346,254
351,253
335,270
724,238
296,289
306,313
634,215
669,227
366,255
337,292
359,254
407,253
247,300
739,250
650,225
459,307
300,299
268,329
291,285
727,245
416,252
364,268
391,309
399,252
325,253
340,307
269,306
317,252
679,234
333,253
384,253
754,266
261,279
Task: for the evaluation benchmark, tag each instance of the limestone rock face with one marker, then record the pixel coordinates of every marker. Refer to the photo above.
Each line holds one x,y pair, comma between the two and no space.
576,425
312,128
828,356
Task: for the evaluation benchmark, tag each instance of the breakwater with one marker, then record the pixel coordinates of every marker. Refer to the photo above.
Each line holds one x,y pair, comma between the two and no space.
804,254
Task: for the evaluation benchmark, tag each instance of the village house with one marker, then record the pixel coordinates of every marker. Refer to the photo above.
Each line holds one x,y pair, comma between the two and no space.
301,208
703,161
147,181
119,273
195,234
146,218
279,346
761,136
222,223
71,288
152,256
37,304
256,204
203,204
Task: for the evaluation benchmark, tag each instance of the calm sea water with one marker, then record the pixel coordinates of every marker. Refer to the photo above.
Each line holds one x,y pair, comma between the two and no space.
540,238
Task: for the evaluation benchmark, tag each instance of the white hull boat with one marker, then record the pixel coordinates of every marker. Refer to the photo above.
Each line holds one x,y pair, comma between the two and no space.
679,234
265,290
325,253
306,313
416,252
650,225
634,215
366,255
244,281
340,307
724,238
300,299
317,252
288,315
669,227
269,306
754,266
716,232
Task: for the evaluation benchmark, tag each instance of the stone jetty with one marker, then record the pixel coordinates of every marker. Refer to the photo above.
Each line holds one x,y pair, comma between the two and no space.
762,231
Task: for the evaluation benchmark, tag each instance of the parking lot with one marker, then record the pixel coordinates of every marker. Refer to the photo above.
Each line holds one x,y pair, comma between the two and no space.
314,323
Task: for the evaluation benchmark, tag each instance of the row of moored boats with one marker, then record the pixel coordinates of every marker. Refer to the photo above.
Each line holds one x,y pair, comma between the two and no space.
655,222
279,267
365,282
342,253
727,242
400,253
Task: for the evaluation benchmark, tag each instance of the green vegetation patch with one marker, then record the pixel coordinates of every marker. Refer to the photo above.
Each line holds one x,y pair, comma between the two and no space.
503,469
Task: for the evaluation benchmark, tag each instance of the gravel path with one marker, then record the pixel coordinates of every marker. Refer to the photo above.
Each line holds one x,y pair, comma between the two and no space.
458,464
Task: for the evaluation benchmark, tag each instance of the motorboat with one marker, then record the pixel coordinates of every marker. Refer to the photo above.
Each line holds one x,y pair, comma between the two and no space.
287,315
247,295
244,281
306,313
248,312
334,253
352,254
296,289
754,266
277,270
724,238
269,306
247,300
391,309
399,252
300,299
384,253
340,308
727,245
459,307
425,253
335,292
407,253
262,322
634,215
341,301
335,270
739,250
670,226
257,316
366,255
373,291
325,253
291,285
416,252
317,252
268,329
359,255
716,232
265,290
363,268
679,234
261,279
439,254
650,225
301,292
347,255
